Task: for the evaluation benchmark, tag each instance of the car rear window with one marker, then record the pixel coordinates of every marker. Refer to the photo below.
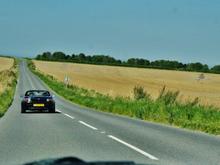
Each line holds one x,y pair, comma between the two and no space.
37,93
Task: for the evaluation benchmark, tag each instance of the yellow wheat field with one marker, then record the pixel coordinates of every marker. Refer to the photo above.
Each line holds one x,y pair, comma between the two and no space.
5,64
121,80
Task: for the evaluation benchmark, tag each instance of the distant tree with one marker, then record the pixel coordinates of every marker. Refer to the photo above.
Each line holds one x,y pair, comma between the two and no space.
45,56
197,67
118,61
138,62
205,68
68,57
89,59
102,59
82,57
216,69
142,62
166,64
73,56
131,61
38,57
59,55
97,59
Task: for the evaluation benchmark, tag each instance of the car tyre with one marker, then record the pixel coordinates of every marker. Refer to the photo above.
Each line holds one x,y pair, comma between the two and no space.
52,110
23,109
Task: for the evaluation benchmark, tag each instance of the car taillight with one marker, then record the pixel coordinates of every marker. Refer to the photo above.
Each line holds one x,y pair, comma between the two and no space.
48,100
28,100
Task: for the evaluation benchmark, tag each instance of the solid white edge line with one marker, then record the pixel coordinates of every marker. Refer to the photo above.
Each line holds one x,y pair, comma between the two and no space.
82,122
133,147
69,116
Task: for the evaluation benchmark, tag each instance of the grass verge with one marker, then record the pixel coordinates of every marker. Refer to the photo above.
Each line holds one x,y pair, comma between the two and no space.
165,109
10,80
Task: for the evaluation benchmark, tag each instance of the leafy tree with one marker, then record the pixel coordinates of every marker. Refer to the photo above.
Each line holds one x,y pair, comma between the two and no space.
205,68
131,61
68,57
197,67
216,69
59,55
82,57
44,56
166,64
73,56
138,62
38,57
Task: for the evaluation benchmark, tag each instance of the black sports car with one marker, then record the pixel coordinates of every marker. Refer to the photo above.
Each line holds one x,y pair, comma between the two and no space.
38,100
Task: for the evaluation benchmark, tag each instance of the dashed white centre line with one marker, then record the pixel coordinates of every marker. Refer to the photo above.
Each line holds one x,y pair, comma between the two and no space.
113,137
69,116
84,123
65,114
58,110
133,147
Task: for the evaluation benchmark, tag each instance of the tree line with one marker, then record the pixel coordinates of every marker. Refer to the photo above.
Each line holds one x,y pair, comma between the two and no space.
131,62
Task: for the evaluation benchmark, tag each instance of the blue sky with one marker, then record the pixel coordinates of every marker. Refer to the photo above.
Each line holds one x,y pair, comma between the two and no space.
184,30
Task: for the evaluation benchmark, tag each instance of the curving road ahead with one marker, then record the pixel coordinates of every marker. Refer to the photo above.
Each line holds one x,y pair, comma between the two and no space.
92,135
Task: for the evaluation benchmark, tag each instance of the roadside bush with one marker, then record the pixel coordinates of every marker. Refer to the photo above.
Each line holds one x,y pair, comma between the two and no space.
140,93
168,97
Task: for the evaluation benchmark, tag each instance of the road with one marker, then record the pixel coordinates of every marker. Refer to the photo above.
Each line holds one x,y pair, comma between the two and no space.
93,135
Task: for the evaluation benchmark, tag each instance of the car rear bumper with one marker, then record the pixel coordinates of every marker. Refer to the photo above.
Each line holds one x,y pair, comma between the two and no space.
34,106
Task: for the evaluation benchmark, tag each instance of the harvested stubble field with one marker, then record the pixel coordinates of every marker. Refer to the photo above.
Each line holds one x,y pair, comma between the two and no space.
120,81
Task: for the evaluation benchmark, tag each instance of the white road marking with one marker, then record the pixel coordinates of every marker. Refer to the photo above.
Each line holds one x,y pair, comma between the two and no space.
65,114
114,138
68,116
82,122
58,110
133,147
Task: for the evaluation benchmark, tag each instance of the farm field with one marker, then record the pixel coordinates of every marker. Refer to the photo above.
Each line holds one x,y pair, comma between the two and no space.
120,81
5,64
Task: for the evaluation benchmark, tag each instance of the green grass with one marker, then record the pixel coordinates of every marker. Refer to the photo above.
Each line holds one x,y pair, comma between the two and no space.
6,97
165,109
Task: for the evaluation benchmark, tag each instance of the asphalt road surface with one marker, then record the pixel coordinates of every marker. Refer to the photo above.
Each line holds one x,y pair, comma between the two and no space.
92,135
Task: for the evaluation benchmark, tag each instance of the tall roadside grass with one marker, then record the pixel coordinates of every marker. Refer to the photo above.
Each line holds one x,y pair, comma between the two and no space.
9,80
165,109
